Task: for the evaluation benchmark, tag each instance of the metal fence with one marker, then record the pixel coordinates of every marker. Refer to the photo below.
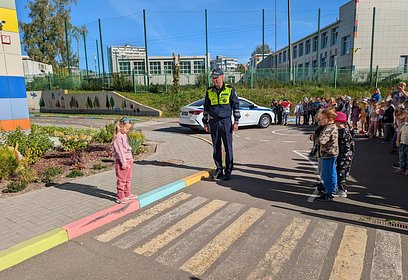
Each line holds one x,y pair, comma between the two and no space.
253,78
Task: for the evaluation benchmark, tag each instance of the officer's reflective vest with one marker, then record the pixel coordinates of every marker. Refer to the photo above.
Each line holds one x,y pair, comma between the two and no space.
222,99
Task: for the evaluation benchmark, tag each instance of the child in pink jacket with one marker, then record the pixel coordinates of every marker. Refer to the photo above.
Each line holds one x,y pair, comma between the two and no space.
122,153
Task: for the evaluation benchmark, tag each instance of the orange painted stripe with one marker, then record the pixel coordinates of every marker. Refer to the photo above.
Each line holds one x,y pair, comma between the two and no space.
7,125
355,34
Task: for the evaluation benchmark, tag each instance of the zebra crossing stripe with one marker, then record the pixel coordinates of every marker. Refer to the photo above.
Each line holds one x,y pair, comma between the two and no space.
244,255
311,259
148,214
280,252
179,228
349,260
387,259
136,236
199,263
174,255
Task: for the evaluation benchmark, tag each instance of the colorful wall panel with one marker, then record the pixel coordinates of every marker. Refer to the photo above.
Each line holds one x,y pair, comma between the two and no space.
13,98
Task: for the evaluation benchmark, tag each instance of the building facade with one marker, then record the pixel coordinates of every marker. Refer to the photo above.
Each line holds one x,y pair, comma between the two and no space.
347,42
227,64
34,68
13,98
130,59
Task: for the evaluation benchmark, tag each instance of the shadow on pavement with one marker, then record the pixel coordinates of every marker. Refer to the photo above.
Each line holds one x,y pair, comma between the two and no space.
170,163
374,191
88,190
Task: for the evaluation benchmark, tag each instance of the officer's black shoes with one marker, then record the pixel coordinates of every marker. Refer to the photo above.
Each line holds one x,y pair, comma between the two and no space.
227,177
217,175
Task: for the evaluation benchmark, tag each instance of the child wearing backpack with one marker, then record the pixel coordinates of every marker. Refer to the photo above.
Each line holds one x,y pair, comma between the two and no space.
346,153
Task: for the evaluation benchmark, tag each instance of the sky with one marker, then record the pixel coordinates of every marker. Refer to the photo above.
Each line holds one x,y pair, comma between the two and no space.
176,26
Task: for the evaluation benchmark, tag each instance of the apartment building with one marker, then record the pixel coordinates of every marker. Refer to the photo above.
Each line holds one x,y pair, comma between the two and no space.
347,41
227,64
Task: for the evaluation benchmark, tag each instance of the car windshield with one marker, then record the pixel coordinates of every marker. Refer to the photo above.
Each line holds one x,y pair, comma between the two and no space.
198,103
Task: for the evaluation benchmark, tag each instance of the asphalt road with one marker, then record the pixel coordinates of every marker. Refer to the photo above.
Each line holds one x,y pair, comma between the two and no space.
263,223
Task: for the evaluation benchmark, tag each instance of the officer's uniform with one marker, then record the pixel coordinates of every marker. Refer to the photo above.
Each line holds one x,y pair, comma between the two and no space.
219,106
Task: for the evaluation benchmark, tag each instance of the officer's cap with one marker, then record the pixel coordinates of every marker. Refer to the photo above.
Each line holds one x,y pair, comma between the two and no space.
215,73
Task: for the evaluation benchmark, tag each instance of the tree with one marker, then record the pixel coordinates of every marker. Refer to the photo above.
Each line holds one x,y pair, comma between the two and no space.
176,74
44,37
258,49
241,68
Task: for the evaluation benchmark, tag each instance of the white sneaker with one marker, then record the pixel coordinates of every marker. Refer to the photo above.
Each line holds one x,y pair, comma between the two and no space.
340,193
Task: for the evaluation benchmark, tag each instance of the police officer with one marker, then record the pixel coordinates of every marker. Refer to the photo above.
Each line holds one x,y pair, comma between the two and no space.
221,102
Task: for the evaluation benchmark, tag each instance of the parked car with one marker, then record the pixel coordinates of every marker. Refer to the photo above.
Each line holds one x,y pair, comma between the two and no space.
251,114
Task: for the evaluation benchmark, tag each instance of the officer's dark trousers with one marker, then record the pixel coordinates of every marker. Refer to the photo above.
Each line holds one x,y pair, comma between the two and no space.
221,130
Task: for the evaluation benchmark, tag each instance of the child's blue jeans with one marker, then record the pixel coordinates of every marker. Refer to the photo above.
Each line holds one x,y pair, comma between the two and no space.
403,156
329,175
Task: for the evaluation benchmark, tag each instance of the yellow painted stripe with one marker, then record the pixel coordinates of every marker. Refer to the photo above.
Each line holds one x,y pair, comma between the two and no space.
349,260
179,228
199,263
280,252
10,16
32,247
190,180
148,214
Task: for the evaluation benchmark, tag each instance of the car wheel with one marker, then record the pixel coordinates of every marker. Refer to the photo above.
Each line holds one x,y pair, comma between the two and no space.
264,121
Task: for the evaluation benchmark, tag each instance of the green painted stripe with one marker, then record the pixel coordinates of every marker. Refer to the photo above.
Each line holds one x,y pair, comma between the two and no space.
32,247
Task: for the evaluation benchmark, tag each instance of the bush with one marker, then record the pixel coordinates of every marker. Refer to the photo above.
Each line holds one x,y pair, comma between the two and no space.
98,166
8,162
26,175
49,173
15,186
105,135
75,173
136,140
75,142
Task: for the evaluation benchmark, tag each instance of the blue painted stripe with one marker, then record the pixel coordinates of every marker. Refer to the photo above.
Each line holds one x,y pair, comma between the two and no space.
19,108
154,195
5,109
12,87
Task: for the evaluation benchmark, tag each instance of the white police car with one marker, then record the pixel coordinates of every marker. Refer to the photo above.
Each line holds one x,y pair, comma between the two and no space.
251,114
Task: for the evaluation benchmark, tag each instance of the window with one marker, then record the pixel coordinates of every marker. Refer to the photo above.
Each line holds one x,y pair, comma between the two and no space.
155,67
295,51
185,67
306,71
198,67
345,45
324,40
168,67
139,67
315,43
314,64
244,104
280,58
284,56
231,79
307,46
323,61
124,67
334,36
300,49
332,61
300,66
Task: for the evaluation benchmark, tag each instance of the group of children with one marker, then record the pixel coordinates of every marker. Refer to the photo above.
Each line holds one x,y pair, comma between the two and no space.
335,148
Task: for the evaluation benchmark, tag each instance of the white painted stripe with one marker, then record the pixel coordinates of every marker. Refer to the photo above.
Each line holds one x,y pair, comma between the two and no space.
310,261
312,197
198,264
279,253
289,141
174,255
247,138
248,251
136,236
349,260
387,259
265,140
146,215
179,228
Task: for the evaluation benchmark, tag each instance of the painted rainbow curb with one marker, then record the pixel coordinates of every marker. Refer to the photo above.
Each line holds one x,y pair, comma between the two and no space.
48,240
